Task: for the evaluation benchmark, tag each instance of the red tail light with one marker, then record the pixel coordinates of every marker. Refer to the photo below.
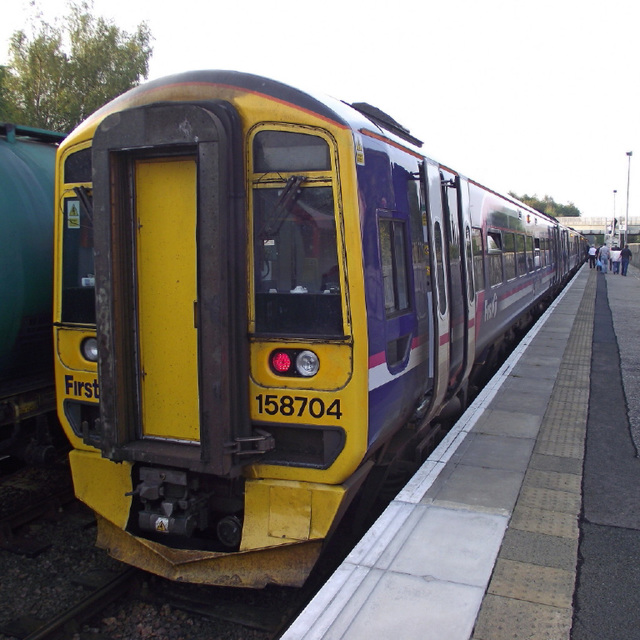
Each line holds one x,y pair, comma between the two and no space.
280,362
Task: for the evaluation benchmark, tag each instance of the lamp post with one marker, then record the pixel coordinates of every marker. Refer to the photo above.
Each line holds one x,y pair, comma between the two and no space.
613,222
626,215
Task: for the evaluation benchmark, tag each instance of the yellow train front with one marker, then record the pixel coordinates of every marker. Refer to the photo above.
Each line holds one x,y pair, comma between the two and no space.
207,371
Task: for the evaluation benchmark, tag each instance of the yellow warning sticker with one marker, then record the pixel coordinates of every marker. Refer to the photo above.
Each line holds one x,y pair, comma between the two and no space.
73,214
162,525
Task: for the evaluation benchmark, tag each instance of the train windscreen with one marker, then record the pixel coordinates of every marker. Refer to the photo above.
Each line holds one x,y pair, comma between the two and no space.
297,281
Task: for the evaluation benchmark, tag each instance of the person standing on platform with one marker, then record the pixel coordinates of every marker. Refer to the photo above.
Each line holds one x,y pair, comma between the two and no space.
615,259
592,256
603,256
625,256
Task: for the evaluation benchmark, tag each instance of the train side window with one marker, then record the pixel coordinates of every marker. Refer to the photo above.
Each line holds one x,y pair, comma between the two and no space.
530,261
478,258
509,252
538,255
522,257
438,240
494,249
393,258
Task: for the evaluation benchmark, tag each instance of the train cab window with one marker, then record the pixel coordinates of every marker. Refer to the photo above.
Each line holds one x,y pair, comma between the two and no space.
393,258
78,281
289,151
509,252
77,167
494,250
296,274
478,258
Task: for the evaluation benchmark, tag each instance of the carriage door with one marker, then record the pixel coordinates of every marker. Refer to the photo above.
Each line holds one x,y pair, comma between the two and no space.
450,185
170,242
439,277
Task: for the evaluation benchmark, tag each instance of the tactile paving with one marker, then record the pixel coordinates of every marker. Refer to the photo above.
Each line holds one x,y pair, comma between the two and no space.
540,549
533,583
550,499
551,523
556,464
508,619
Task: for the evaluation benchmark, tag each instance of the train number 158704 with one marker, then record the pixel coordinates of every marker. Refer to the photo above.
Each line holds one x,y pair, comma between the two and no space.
298,406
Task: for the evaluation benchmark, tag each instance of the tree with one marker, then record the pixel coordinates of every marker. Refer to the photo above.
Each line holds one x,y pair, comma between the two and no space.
60,75
549,206
7,110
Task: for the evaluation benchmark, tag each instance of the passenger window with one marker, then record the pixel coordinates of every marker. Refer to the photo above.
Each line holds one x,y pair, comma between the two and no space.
538,255
470,287
509,249
530,260
393,257
478,258
494,249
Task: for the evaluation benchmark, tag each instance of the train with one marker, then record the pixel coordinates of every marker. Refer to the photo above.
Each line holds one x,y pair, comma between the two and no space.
264,299
27,390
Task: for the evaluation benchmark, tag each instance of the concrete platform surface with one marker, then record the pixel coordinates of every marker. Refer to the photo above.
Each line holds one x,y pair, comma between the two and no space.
483,542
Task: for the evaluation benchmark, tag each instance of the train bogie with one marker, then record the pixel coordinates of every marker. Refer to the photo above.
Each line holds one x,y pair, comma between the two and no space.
257,290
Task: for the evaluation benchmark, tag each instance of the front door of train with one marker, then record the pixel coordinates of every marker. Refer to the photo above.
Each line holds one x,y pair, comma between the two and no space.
170,242
165,203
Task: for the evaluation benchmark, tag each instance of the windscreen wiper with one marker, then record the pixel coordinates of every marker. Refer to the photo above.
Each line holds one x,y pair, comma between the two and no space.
85,201
282,207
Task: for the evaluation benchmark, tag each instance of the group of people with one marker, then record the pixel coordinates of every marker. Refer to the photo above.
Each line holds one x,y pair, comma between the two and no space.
605,258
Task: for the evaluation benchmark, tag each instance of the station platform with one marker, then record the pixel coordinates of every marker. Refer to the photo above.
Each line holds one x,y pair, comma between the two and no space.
525,521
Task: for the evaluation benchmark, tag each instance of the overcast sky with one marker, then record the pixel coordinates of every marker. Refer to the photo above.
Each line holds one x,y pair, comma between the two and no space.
533,96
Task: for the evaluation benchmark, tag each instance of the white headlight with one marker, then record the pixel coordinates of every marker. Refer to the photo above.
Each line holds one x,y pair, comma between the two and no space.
89,349
307,363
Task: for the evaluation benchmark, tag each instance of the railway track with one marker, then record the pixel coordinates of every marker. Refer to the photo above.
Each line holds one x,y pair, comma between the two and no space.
27,494
63,625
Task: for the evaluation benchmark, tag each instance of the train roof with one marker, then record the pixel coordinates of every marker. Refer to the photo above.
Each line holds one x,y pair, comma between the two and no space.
356,116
